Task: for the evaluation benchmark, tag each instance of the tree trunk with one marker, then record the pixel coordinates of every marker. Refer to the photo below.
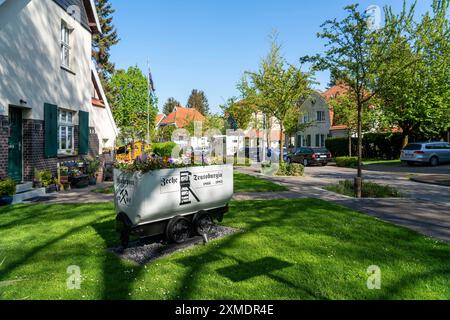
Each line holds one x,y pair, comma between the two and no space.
358,180
405,140
281,142
349,143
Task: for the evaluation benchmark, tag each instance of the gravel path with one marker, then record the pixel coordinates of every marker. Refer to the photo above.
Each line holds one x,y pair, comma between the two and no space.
143,252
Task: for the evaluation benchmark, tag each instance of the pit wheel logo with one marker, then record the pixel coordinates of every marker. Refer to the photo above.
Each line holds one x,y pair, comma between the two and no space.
185,189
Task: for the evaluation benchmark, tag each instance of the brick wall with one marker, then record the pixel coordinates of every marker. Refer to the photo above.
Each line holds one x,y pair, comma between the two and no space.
34,156
4,141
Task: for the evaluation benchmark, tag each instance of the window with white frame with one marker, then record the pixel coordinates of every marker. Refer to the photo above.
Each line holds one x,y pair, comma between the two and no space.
305,118
65,131
65,45
320,116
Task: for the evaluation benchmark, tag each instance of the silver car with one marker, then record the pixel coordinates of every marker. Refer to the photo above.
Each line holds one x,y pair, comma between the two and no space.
433,153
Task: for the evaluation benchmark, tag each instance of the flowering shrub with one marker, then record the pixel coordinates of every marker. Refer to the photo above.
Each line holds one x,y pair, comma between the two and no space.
147,164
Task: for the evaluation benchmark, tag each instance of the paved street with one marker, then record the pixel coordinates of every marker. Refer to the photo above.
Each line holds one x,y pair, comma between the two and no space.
425,208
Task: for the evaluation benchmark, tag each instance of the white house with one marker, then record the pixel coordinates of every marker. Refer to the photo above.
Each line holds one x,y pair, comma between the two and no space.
52,105
316,113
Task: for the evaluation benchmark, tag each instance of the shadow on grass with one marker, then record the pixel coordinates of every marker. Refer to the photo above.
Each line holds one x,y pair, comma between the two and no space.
118,274
248,270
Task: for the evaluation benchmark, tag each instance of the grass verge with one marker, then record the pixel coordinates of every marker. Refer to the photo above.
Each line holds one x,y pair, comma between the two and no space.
290,249
370,190
246,183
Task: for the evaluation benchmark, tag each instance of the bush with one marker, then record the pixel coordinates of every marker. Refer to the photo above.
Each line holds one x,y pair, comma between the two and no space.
347,162
7,187
163,149
370,190
45,177
93,167
291,170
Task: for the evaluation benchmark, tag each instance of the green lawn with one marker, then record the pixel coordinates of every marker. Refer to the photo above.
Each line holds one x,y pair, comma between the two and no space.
246,183
289,249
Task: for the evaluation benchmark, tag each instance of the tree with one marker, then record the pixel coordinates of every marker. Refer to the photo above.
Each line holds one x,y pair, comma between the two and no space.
416,98
354,52
130,89
276,87
198,101
240,111
170,106
102,43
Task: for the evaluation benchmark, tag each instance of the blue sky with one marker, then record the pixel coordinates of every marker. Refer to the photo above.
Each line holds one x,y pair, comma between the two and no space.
208,44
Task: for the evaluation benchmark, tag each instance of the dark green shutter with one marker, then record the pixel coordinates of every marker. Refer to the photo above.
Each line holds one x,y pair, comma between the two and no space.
51,130
83,143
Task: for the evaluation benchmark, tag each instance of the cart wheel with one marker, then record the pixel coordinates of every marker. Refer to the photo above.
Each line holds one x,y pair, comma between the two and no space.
203,223
178,230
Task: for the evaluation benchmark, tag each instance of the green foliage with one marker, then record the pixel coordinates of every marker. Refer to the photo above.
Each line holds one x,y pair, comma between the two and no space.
291,170
414,84
240,112
163,149
102,42
93,167
369,190
276,87
347,162
198,101
170,106
130,111
45,177
7,187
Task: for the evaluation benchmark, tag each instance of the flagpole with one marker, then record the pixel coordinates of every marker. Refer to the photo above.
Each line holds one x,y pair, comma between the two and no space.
148,103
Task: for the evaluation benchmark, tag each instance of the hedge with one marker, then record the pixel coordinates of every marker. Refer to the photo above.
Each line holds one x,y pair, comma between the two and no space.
163,149
375,146
291,170
347,162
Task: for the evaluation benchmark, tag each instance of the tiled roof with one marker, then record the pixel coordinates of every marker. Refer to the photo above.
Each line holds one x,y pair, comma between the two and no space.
334,92
159,118
98,103
182,117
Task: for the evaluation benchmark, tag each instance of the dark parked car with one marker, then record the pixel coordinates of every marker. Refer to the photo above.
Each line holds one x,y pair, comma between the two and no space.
310,156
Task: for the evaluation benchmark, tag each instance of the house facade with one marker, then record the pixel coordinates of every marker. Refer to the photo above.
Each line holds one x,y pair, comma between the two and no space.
180,118
52,106
316,116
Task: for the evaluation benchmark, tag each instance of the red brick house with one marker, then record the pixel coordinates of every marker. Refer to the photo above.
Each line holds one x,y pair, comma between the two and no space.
52,106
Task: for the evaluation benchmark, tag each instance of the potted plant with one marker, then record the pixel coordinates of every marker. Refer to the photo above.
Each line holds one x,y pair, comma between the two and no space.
7,191
92,170
37,183
48,182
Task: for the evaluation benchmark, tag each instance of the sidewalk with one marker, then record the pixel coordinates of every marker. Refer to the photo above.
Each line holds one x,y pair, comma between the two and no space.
439,180
78,196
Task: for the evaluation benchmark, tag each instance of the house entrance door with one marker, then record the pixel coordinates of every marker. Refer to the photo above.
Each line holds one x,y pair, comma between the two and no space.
15,151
